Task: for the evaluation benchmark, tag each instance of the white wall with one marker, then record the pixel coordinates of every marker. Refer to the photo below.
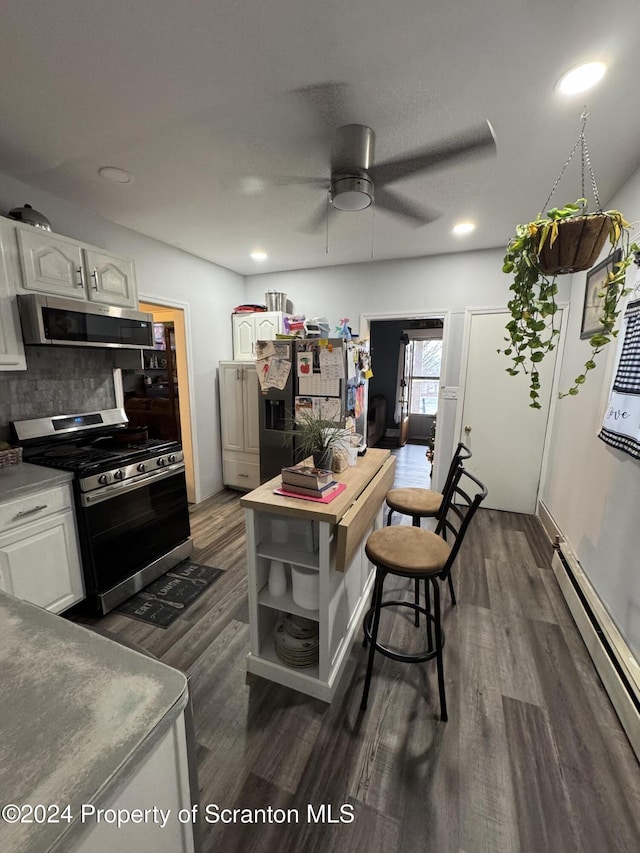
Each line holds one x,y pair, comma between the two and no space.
404,288
591,490
210,292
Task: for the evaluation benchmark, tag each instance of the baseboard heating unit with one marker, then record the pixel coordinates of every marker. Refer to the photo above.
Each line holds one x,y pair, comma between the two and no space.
614,661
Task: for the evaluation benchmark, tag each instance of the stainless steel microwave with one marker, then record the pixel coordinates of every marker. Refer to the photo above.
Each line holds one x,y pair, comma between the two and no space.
70,322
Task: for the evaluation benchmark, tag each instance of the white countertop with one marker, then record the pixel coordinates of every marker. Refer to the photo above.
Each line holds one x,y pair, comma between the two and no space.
17,480
75,708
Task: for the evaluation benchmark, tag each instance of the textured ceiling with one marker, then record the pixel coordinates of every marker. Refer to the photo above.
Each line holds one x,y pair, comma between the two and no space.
202,103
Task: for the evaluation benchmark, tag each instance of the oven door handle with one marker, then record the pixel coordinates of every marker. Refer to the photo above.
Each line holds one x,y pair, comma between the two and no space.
108,492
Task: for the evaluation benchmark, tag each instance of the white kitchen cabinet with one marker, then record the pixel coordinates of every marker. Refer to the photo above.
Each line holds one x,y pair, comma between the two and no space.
160,782
239,400
327,538
39,555
65,267
249,328
11,348
116,727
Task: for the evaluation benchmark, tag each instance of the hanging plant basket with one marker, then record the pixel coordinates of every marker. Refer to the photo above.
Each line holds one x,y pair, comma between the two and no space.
563,240
577,246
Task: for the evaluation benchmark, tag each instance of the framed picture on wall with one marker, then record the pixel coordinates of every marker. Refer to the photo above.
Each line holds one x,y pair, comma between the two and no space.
596,280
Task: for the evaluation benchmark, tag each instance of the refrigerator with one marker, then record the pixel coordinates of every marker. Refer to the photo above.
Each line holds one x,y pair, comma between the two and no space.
326,375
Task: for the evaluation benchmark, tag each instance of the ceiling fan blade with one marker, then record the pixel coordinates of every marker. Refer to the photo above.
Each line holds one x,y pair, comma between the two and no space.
328,101
387,200
287,180
476,141
317,220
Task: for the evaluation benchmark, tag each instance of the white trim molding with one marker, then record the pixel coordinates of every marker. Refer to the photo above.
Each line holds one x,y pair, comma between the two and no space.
614,661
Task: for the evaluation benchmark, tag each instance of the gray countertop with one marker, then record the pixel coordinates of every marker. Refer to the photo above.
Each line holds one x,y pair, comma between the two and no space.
75,707
18,480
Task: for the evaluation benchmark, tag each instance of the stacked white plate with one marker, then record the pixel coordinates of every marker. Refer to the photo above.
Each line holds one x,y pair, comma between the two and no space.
296,640
305,587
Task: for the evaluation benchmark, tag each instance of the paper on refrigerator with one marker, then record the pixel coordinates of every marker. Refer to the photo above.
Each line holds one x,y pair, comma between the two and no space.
273,372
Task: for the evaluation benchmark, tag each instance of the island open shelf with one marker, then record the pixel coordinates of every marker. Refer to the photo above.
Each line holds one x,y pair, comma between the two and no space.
329,538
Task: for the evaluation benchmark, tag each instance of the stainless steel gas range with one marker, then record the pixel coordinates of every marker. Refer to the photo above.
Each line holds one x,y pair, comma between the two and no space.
130,499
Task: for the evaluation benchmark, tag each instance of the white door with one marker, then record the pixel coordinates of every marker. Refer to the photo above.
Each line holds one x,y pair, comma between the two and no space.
111,279
231,406
39,562
251,414
267,326
505,435
244,332
51,264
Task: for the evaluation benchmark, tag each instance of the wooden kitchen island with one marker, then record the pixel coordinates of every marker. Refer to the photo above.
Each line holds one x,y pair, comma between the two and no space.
327,538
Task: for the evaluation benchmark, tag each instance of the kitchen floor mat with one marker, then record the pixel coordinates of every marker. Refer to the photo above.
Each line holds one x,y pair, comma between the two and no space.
163,601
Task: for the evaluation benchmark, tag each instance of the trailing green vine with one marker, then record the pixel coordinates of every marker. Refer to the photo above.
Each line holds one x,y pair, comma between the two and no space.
532,330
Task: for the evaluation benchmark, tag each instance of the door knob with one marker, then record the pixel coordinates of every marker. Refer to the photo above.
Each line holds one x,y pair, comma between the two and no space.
467,429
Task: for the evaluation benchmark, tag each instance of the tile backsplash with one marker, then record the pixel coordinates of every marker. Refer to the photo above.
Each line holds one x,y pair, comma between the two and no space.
58,380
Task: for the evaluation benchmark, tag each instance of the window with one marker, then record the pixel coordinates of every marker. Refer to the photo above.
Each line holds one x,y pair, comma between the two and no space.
424,377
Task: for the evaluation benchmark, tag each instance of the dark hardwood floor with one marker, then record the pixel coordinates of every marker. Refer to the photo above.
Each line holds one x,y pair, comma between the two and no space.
532,758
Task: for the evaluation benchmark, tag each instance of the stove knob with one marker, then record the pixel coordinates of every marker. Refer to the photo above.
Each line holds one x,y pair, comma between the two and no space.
161,462
142,467
117,475
103,479
172,457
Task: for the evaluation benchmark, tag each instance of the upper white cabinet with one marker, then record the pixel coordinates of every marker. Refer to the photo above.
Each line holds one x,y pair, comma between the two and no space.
11,348
249,328
55,264
111,279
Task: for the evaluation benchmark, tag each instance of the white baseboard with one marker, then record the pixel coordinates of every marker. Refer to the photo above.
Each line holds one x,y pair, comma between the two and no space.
614,661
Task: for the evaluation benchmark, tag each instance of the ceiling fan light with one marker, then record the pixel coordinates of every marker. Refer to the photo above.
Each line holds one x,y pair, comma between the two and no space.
113,173
581,78
351,194
463,228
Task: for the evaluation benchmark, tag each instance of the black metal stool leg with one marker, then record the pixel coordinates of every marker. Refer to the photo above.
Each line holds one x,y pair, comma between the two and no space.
369,613
451,589
427,604
380,574
439,661
389,517
416,619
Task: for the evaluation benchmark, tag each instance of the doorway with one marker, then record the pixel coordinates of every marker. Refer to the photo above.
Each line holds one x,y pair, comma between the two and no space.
422,376
162,385
398,376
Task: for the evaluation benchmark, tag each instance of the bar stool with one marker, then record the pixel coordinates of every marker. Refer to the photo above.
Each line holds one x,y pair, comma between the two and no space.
426,503
417,554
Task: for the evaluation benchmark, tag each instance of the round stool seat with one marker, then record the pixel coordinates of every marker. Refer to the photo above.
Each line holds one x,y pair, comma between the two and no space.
422,502
407,550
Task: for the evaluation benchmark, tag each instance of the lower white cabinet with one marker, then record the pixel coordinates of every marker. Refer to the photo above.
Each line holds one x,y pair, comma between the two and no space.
160,782
39,555
239,400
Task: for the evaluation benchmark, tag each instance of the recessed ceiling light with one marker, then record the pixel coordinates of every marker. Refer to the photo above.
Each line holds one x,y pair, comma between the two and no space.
259,256
118,176
252,185
581,78
463,228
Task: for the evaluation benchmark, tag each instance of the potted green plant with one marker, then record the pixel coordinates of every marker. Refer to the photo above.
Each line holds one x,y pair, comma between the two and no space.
314,436
564,240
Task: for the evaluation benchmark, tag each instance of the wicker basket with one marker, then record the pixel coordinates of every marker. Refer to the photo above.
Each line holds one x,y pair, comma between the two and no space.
579,242
13,456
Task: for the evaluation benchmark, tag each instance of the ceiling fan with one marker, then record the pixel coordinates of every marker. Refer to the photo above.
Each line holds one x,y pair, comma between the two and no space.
356,182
